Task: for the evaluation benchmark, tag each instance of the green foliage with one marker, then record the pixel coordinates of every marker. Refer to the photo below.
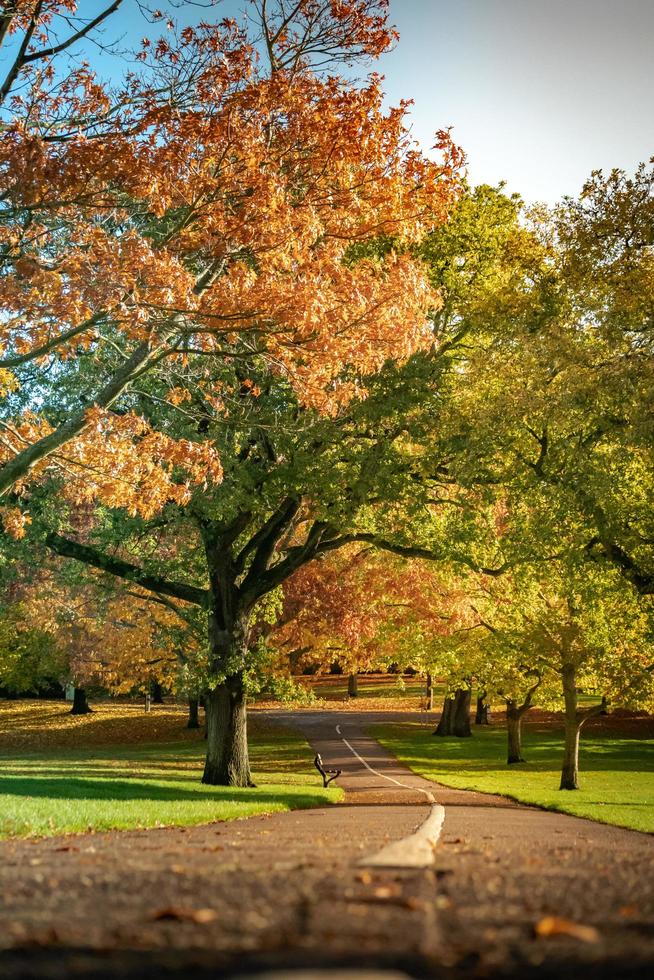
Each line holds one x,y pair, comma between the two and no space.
267,677
29,658
618,783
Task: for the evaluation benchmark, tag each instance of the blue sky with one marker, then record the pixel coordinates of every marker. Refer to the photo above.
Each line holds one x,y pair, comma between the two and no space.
539,92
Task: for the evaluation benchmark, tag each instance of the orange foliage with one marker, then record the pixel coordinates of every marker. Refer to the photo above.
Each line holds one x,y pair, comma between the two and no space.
117,640
211,218
360,607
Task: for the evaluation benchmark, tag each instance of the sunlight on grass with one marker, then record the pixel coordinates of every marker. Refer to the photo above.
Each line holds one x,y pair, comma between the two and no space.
616,774
126,786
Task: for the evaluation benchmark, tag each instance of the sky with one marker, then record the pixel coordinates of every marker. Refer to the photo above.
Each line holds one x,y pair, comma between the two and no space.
539,92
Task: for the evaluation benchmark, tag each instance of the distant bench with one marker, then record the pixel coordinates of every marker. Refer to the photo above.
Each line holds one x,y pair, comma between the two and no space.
328,775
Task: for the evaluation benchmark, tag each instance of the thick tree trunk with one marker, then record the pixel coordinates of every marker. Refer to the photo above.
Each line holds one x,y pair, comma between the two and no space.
227,762
514,734
193,713
455,718
80,704
353,686
462,701
482,712
570,768
429,692
444,726
156,691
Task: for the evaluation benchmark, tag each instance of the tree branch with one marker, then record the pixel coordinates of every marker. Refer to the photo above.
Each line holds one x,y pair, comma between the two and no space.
88,555
264,541
83,31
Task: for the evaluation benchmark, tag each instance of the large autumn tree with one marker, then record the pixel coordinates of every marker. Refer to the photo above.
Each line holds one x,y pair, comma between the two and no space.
284,206
205,206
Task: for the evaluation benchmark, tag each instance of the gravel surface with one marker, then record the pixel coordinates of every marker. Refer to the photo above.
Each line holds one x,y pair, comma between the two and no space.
288,891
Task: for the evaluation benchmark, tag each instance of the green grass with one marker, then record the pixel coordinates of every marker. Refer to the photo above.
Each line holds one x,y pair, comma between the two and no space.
130,786
616,774
387,687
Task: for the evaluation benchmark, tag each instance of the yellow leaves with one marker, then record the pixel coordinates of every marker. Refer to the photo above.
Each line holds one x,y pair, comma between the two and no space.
177,396
8,382
14,521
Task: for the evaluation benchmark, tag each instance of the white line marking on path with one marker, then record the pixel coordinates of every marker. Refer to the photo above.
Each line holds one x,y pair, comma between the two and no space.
416,850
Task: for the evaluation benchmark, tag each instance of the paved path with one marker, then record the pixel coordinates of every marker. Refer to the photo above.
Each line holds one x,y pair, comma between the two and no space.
289,890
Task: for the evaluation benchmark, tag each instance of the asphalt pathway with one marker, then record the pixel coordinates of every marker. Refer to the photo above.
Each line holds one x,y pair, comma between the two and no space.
300,889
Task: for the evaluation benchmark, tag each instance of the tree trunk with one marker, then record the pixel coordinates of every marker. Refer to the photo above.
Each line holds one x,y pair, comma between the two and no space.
570,768
227,762
461,727
514,734
482,713
444,726
455,718
80,704
156,691
193,713
353,686
429,692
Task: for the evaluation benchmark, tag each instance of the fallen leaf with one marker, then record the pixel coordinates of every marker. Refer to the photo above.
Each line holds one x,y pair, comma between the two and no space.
553,925
385,891
628,911
201,916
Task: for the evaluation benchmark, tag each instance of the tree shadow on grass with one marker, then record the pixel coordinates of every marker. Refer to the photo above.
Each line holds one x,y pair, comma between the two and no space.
117,790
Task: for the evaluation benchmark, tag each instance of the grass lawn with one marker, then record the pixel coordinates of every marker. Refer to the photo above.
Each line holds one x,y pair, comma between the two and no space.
616,774
48,788
377,692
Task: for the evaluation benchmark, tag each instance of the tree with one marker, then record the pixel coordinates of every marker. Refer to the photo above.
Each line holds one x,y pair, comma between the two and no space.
556,408
270,354
29,659
329,614
582,627
68,627
205,209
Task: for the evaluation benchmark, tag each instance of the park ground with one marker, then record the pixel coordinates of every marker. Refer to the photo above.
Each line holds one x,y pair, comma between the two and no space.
120,768
57,775
513,890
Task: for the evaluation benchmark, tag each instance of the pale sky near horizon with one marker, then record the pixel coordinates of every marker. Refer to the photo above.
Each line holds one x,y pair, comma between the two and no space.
539,92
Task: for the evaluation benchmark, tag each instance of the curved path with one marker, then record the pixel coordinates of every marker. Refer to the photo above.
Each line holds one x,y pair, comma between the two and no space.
302,889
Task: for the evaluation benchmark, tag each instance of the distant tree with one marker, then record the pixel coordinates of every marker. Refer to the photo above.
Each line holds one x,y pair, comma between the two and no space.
30,660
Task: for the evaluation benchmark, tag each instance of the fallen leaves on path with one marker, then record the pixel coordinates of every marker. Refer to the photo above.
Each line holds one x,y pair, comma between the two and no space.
179,914
554,925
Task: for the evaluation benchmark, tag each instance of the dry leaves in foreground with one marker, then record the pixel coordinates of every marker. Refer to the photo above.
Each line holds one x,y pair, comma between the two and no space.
179,914
553,925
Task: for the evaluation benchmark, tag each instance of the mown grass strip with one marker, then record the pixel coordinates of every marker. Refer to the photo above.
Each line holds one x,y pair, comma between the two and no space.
616,774
129,786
